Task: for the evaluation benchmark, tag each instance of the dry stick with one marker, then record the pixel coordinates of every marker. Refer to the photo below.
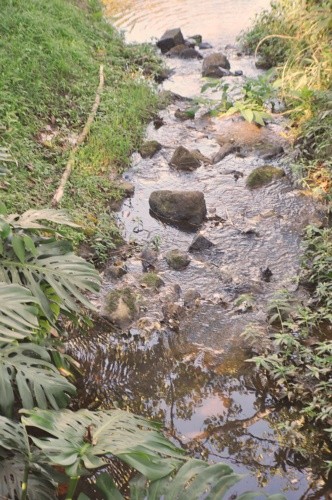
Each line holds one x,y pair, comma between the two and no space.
81,138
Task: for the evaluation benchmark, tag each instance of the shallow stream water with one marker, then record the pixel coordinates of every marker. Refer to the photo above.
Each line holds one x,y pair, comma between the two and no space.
190,372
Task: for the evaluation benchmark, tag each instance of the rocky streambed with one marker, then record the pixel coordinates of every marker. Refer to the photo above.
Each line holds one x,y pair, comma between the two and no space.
213,224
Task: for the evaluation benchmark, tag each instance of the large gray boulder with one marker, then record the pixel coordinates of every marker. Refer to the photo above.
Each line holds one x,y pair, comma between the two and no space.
170,39
179,207
215,65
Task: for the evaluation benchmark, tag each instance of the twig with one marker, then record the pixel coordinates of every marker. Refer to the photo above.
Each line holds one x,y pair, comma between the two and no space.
81,138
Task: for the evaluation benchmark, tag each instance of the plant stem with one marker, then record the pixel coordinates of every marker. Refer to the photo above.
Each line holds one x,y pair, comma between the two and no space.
25,482
72,487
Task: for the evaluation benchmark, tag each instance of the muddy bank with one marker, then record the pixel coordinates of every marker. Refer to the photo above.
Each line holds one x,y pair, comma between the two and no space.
172,349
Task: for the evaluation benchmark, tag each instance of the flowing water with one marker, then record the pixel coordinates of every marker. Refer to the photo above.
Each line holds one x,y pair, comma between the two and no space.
182,359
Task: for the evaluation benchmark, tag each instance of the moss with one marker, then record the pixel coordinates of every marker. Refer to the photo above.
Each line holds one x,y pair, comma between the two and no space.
262,176
151,280
124,295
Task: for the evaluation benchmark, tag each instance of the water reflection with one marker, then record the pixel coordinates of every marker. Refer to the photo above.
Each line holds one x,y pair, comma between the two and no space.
212,415
218,21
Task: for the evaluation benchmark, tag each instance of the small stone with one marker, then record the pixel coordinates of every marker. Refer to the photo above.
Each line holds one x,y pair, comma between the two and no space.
149,149
262,176
115,272
127,187
200,243
272,153
213,65
205,46
190,42
198,38
149,258
266,274
183,159
190,297
238,72
151,280
169,39
121,306
177,259
184,115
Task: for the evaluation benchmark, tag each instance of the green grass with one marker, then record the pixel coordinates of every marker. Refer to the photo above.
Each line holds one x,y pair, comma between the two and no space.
50,53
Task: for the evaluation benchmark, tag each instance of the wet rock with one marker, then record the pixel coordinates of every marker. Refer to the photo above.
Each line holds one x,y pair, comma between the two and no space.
162,75
151,280
177,259
238,72
185,160
115,272
179,207
170,39
184,115
262,176
214,64
198,38
204,46
191,297
121,306
149,149
184,52
199,244
272,152
127,187
158,122
266,274
149,257
263,64
225,150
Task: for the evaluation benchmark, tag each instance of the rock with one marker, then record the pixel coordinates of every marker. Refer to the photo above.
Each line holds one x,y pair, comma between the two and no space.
185,160
263,64
177,259
162,75
272,153
151,280
191,296
238,72
200,243
121,306
262,176
225,150
184,52
115,272
179,207
184,115
190,42
158,122
127,187
170,39
204,46
214,64
149,258
149,149
198,38
266,274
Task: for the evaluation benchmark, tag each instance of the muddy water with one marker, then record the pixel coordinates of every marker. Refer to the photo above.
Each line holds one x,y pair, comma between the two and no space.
182,361
216,20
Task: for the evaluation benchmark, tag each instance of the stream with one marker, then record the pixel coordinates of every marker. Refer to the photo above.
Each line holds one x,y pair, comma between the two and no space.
181,356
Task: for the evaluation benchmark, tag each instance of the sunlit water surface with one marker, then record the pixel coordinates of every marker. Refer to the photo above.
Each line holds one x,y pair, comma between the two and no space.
218,21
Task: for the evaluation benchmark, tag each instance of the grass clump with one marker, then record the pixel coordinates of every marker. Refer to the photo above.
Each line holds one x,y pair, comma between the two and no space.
262,176
50,54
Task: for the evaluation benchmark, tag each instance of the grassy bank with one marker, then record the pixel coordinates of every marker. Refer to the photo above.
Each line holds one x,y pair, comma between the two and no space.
50,53
296,38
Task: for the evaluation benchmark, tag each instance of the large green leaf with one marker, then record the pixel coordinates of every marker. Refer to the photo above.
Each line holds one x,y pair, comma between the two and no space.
195,479
18,319
84,438
31,219
27,368
54,265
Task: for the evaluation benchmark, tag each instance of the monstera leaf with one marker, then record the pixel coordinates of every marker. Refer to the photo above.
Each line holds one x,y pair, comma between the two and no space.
17,464
18,319
28,368
51,264
31,259
84,438
195,479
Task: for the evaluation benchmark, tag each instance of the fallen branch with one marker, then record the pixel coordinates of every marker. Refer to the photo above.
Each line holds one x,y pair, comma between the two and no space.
81,138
